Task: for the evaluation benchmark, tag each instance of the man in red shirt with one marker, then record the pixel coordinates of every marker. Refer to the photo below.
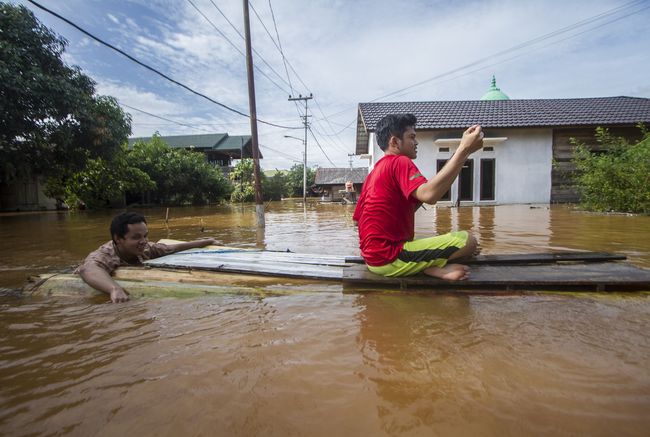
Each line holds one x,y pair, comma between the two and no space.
391,194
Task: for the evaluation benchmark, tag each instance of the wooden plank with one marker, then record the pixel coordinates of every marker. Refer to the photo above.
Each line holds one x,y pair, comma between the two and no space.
73,285
284,269
529,258
198,255
595,276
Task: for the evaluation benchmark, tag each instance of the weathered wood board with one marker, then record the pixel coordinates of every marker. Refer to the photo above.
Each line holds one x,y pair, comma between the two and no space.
572,271
530,258
593,276
285,264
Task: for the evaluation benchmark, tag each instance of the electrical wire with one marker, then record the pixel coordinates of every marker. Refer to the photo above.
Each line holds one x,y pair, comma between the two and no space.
319,146
223,35
518,47
152,69
163,118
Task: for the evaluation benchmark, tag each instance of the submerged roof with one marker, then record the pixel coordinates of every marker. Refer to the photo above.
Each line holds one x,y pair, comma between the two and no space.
339,176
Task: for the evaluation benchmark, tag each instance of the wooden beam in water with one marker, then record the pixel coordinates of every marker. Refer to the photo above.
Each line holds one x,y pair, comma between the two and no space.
592,276
529,258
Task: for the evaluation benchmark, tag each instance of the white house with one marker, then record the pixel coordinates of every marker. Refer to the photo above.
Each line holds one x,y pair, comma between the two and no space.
527,148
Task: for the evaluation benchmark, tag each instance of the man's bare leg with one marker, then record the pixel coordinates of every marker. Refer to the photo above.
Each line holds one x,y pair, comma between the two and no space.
450,272
456,272
471,249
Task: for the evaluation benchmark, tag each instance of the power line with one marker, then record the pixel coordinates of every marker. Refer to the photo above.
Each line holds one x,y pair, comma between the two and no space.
340,146
142,64
277,34
293,158
520,46
163,118
536,48
319,146
237,48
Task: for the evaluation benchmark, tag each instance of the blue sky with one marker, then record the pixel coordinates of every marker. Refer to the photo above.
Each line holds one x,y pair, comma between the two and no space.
346,52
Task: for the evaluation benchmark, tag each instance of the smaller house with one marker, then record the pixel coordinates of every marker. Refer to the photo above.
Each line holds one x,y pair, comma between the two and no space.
337,184
219,149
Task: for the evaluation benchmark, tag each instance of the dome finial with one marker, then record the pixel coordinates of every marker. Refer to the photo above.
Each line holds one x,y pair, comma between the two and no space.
494,93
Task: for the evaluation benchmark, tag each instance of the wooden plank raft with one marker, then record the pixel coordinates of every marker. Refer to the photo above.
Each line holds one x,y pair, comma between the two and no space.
547,271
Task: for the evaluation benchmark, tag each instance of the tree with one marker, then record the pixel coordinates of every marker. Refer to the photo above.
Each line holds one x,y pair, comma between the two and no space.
619,178
275,187
295,179
243,181
50,119
100,182
181,176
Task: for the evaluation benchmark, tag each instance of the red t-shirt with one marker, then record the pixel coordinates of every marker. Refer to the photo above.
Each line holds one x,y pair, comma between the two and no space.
386,210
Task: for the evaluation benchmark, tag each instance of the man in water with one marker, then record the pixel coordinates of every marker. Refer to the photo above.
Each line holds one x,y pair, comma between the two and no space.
391,194
128,247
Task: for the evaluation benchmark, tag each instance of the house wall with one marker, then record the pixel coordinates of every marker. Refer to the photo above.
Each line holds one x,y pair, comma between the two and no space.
522,163
25,195
564,189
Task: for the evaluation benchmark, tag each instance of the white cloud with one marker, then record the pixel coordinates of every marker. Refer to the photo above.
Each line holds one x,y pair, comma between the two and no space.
349,52
113,18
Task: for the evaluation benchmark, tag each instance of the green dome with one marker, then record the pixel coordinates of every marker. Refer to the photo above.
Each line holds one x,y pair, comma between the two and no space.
495,93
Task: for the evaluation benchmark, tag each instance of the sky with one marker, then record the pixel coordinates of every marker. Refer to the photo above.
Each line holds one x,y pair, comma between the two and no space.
344,53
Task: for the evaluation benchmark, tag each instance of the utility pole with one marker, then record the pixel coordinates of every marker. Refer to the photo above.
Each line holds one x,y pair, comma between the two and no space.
259,205
304,156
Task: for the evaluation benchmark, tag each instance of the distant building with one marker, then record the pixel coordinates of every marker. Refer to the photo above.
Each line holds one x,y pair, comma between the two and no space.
219,149
527,149
330,183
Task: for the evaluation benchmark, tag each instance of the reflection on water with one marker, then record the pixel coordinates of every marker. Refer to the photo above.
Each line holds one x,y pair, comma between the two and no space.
324,363
38,243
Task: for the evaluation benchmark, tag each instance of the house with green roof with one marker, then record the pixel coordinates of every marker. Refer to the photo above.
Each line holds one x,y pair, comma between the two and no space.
219,149
528,145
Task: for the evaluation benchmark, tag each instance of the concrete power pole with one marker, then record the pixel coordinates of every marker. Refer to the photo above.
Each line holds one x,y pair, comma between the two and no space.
259,205
304,156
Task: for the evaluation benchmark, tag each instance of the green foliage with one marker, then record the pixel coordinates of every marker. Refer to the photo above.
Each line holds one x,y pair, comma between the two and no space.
294,180
274,187
100,182
243,181
50,119
619,178
170,176
181,176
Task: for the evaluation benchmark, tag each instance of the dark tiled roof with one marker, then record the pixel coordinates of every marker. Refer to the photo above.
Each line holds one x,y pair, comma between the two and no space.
598,111
339,176
514,113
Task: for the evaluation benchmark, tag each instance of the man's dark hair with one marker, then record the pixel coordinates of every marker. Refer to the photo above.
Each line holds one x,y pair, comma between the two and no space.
120,224
395,125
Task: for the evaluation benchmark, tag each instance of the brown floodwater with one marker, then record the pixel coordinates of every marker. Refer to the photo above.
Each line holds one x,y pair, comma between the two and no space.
324,362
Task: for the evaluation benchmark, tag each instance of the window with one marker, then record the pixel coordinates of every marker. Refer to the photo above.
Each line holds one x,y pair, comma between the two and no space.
443,149
466,181
439,164
487,179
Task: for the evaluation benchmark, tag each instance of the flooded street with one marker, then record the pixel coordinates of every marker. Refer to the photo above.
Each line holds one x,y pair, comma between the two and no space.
324,362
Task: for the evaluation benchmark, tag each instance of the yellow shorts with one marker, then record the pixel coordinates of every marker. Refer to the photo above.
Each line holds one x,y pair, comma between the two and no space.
421,254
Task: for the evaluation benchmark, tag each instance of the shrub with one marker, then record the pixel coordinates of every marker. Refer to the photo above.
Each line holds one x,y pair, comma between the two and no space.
617,179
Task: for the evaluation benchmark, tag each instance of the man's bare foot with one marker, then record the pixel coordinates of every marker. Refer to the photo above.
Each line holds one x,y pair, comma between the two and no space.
450,272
